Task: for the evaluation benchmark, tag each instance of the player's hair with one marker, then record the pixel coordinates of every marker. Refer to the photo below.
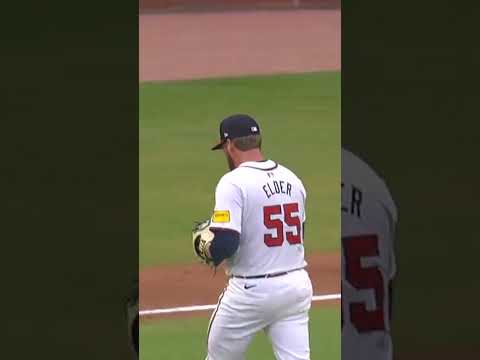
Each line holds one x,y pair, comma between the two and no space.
249,142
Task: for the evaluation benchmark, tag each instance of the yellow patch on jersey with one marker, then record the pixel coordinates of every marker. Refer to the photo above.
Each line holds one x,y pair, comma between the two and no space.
221,216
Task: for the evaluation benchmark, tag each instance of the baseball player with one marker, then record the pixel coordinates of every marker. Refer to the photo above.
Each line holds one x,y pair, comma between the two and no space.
369,218
257,227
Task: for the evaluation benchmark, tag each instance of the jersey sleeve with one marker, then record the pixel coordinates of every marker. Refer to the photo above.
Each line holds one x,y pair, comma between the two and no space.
227,213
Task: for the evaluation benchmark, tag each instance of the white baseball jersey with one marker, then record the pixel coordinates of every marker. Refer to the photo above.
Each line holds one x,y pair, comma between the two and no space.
369,217
265,203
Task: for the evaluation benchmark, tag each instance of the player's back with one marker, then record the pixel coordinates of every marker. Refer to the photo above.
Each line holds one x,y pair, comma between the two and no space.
273,213
369,216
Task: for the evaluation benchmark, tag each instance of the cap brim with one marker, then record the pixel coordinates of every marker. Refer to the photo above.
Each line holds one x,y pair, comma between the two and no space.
218,146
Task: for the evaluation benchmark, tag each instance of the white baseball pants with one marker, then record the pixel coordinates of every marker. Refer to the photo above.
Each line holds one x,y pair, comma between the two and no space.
277,305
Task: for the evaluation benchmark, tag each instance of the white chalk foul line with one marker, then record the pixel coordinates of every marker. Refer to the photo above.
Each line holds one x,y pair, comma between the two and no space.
326,297
211,307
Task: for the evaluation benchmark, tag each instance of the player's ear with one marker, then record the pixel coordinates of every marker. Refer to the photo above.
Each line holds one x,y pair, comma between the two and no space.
229,145
224,146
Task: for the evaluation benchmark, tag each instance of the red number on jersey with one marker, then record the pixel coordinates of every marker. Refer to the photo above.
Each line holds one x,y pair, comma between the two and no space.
355,248
270,223
293,221
277,224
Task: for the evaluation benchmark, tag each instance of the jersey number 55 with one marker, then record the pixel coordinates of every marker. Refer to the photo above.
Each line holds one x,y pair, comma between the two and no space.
289,219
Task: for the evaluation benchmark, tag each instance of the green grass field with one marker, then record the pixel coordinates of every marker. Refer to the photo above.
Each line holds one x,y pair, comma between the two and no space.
300,120
185,339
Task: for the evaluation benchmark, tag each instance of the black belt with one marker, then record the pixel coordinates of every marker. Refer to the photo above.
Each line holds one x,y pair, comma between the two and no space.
265,276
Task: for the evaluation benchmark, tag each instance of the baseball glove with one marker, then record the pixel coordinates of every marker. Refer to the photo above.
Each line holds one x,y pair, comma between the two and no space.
202,237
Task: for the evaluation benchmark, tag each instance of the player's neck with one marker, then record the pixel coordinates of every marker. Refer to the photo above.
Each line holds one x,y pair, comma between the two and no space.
250,155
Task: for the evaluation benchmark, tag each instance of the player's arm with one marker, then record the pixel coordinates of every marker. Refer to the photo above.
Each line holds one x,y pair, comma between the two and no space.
222,235
226,221
224,245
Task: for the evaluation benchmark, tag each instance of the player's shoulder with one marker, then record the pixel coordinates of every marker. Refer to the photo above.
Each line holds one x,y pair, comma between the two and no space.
247,171
356,170
247,174
290,173
232,180
227,179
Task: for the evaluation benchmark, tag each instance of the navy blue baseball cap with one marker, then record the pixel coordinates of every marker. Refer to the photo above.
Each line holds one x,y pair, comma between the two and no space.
236,126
